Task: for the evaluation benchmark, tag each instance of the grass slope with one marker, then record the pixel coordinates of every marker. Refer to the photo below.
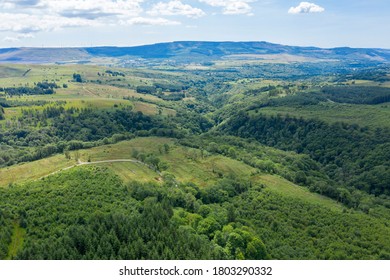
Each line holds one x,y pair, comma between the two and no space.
33,170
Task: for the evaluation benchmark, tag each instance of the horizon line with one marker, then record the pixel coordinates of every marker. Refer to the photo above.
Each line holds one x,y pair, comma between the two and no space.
185,41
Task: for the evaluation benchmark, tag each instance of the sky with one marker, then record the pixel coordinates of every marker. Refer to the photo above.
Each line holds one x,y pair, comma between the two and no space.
86,23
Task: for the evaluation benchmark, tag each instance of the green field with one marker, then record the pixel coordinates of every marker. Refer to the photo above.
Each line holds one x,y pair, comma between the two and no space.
33,170
286,188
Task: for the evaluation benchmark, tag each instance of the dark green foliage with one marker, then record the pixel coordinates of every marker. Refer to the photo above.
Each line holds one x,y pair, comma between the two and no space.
157,89
357,94
73,129
114,73
172,97
5,233
347,152
196,123
292,229
18,103
168,87
146,89
92,125
40,88
88,214
340,94
1,113
77,78
302,99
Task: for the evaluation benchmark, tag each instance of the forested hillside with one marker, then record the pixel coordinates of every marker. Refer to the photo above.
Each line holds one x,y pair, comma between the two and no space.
230,220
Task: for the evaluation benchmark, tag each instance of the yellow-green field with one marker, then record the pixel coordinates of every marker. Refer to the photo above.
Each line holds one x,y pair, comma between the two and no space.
185,163
33,170
284,187
79,95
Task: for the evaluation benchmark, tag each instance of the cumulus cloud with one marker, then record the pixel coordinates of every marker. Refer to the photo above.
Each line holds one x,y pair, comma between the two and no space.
10,39
26,23
18,37
305,8
175,7
232,7
151,21
7,4
91,9
25,17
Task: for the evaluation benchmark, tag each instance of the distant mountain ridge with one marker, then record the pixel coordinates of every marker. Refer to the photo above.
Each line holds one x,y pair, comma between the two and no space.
191,50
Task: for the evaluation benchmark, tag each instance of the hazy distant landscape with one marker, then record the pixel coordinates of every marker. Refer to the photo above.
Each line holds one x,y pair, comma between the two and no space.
193,52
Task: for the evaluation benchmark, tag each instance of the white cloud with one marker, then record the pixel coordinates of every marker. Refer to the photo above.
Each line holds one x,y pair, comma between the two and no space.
26,23
175,7
25,35
91,9
7,4
232,7
18,37
10,39
305,8
24,17
150,21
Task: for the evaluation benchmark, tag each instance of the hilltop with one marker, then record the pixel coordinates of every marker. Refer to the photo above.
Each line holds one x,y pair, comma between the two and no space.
194,51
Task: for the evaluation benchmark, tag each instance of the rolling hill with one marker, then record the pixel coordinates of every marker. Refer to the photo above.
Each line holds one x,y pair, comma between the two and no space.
192,51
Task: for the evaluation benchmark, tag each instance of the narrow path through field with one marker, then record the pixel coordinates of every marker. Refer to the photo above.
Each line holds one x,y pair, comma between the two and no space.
90,92
80,163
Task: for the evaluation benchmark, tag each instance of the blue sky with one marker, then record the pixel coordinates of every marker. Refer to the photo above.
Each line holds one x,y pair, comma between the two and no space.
320,23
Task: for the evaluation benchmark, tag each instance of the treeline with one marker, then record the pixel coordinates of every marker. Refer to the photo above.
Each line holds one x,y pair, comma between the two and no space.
339,94
157,89
299,99
54,129
113,73
41,88
6,228
5,103
357,94
71,129
1,113
377,74
350,155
